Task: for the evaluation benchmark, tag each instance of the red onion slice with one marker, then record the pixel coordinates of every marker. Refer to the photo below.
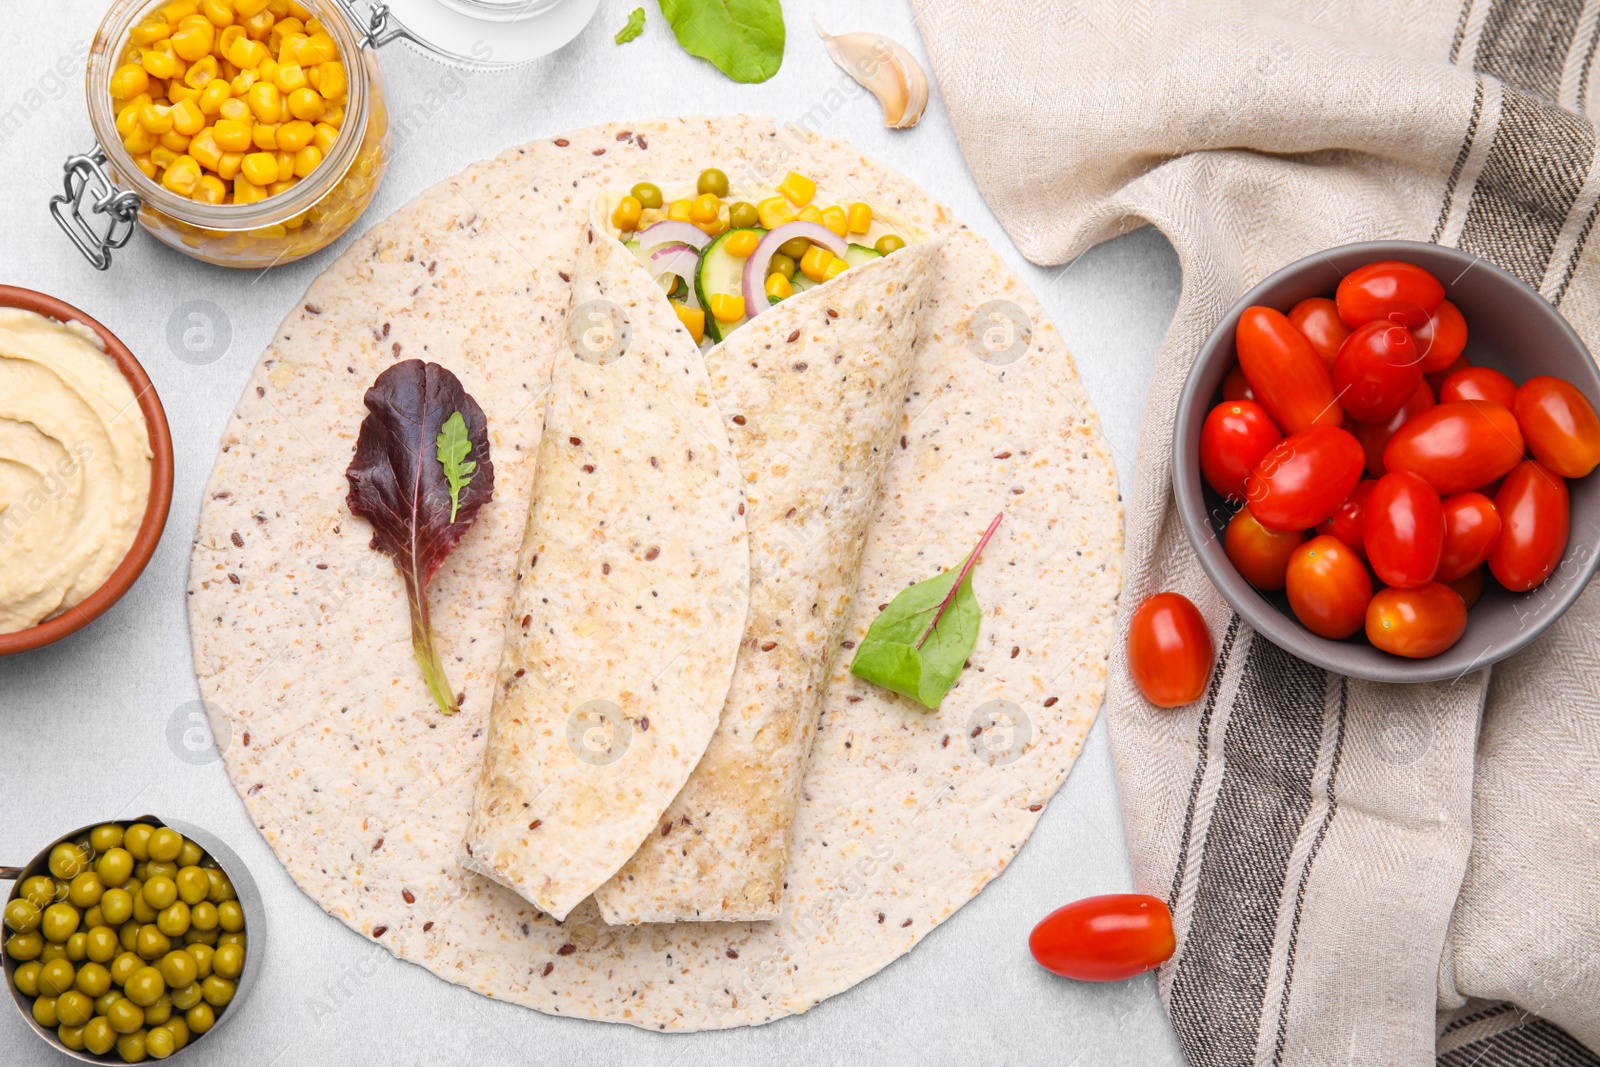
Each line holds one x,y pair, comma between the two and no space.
755,268
675,258
681,232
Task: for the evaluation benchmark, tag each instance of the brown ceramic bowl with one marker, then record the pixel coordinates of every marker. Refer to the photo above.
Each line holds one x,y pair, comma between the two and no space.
1511,328
155,514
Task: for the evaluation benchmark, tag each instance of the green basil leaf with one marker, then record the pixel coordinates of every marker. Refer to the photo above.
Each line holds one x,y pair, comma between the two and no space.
634,27
452,448
742,38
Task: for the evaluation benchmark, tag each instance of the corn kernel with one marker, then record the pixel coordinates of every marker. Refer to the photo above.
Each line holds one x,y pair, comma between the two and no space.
289,77
176,141
774,211
306,160
834,219
318,48
814,264
742,243
693,319
281,187
260,168
193,40
243,82
705,208
299,10
324,137
715,228
246,8
229,37
187,118
203,148
129,80
306,104
313,24
778,287
246,191
210,190
177,93
162,157
139,142
798,189
216,93
860,216
258,26
268,71
288,48
678,210
626,216
232,135
245,53
266,102
201,72
182,176
128,120
836,267
332,80
293,136
151,28
237,110
334,117
161,64
281,28
264,135
175,11
809,213
144,164
156,118
285,165
229,165
220,12
727,308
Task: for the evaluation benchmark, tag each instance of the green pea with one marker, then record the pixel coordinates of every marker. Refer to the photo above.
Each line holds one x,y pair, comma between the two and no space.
53,950
193,885
889,244
115,866
165,844
712,181
221,889
159,1012
190,855
179,969
174,919
38,891
59,922
74,1008
217,991
153,944
56,977
93,980
136,839
200,937
163,868
203,955
131,1047
25,946
26,978
70,1036
103,1002
86,890
186,997
231,916
78,946
44,1012
128,935
647,194
143,910
228,961
98,1037
144,986
159,1042
200,1018
123,966
781,264
795,248
23,915
67,860
105,837
203,916
742,215
179,1031
116,906
102,944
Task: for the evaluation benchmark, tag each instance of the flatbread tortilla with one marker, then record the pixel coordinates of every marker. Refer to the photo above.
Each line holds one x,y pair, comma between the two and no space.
363,790
631,593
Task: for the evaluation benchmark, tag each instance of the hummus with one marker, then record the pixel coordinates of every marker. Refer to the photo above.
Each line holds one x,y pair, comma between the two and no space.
74,467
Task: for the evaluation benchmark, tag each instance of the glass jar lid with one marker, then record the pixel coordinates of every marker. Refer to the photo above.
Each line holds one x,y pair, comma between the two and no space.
475,34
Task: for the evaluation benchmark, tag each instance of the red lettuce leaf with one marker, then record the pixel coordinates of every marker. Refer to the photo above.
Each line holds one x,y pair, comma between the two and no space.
398,485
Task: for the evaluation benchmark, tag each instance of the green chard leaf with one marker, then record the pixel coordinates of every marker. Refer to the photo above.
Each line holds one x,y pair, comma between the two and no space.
742,38
918,645
453,447
634,27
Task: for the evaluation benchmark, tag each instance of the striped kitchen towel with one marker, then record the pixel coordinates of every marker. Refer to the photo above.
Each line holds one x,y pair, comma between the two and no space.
1359,873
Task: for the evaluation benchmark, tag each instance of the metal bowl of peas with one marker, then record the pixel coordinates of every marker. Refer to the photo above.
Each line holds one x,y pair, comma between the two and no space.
109,966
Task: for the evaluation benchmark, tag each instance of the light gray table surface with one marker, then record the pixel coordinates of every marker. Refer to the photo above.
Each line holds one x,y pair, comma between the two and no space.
85,723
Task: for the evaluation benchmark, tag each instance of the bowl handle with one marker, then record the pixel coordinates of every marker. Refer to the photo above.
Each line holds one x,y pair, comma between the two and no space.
86,183
10,874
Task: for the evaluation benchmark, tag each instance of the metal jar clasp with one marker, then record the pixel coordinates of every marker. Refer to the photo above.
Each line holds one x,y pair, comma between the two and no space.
86,183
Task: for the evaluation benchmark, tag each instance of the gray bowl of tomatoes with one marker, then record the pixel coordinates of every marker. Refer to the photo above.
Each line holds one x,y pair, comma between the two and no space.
1382,459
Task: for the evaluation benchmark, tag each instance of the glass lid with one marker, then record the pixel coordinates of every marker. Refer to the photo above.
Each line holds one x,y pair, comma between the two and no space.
475,34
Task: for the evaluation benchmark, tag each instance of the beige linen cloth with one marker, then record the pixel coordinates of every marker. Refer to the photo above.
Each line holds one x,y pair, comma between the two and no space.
1359,873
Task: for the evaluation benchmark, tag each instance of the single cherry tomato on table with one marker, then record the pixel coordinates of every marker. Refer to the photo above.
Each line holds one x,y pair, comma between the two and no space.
1346,522
1285,372
1259,553
1304,478
1169,650
1535,518
1469,587
1479,383
1234,386
1437,378
1457,446
1235,436
1377,371
1328,587
1471,527
1388,291
1374,436
1560,425
1104,939
1441,339
1416,623
1318,318
1403,529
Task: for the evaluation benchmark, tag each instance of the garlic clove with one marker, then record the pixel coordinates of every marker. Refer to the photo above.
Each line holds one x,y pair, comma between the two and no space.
884,68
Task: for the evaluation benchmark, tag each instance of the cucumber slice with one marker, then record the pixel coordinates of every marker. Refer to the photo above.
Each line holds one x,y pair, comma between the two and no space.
675,287
721,272
856,255
801,283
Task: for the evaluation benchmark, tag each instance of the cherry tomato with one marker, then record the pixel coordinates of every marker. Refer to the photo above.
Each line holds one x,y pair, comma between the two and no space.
1469,587
1456,446
1560,424
1416,623
1169,650
1479,383
1304,478
1104,939
1403,530
1318,318
1535,517
1374,436
1377,371
1259,553
1471,527
1234,387
1235,436
1390,291
1284,372
1437,378
1441,338
1346,522
1328,587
